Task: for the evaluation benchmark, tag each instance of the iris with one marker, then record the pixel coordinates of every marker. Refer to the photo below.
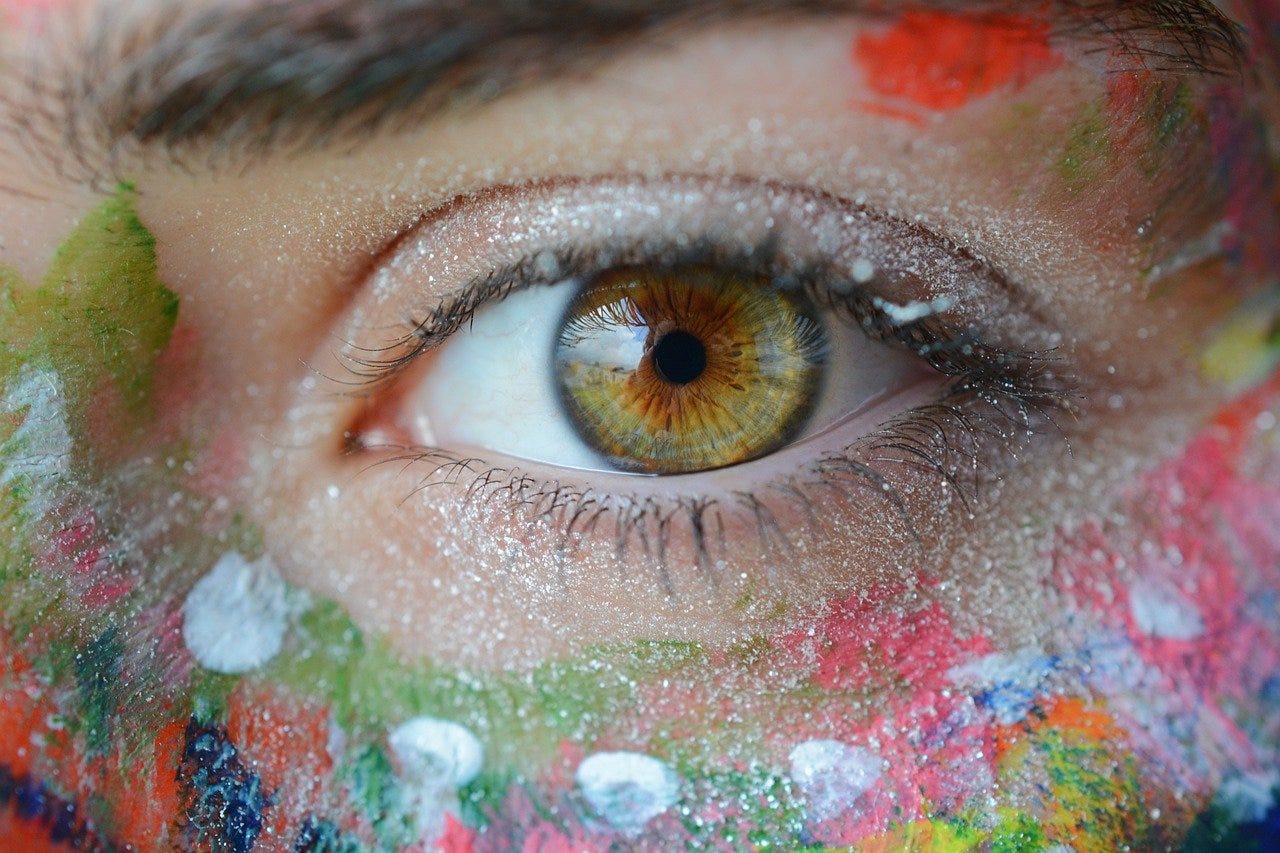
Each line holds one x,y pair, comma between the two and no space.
672,372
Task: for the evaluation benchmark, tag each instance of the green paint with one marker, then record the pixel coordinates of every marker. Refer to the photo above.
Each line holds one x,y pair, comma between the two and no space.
933,836
1015,832
1084,155
521,717
1096,793
1170,112
101,312
757,804
97,668
1247,349
102,309
376,792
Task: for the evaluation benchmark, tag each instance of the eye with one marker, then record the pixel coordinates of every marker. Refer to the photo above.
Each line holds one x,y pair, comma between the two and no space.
682,326
654,372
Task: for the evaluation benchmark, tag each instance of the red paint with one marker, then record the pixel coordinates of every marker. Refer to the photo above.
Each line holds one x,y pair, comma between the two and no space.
942,61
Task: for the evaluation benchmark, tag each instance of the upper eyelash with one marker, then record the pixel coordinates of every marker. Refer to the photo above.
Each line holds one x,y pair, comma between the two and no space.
951,350
993,391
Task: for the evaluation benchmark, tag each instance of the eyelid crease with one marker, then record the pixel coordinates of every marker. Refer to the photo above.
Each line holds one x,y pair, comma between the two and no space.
870,307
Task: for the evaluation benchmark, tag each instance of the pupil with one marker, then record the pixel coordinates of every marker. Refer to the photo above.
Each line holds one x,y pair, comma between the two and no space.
679,357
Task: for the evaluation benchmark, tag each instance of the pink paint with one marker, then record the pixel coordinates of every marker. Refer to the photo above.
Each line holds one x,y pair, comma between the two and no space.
1208,538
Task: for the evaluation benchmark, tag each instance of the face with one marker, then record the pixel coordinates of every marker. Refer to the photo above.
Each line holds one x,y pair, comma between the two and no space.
585,426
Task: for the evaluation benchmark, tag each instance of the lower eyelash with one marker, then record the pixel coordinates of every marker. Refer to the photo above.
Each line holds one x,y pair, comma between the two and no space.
950,441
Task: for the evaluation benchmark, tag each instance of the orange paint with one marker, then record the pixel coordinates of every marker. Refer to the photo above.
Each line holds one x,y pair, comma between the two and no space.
1070,714
942,61
889,111
145,797
29,836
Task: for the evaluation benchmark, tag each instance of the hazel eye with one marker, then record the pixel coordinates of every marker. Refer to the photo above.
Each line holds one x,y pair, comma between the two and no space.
647,371
677,327
675,372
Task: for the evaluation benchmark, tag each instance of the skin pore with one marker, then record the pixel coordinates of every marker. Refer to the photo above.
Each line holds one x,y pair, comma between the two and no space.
245,607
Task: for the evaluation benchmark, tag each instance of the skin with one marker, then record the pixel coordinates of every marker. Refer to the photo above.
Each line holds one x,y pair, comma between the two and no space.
1038,638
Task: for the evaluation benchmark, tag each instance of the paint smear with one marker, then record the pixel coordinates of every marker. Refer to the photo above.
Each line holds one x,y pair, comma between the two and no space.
943,61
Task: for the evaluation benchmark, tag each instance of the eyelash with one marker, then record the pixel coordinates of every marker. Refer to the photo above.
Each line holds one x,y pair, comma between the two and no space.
995,392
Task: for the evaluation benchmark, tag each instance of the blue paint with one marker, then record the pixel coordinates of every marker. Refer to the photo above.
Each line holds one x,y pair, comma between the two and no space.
224,801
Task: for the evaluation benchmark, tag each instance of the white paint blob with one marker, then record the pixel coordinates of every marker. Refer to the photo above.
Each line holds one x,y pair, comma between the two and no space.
863,270
429,748
235,617
434,757
1161,611
912,311
627,789
833,776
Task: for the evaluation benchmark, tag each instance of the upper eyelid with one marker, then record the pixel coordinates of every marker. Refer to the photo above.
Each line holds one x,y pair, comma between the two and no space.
374,367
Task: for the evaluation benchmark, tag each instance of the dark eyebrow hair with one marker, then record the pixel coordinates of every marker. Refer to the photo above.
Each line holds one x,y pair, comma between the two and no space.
309,72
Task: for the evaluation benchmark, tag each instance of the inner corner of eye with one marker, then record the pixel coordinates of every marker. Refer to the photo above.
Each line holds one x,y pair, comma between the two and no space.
647,370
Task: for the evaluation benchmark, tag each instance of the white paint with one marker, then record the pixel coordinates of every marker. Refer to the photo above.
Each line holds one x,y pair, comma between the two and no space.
39,450
627,789
863,270
833,776
434,757
912,311
1249,796
235,617
429,748
1161,611
1006,682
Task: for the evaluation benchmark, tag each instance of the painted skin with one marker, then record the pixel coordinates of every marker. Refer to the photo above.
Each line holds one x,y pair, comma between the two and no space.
165,686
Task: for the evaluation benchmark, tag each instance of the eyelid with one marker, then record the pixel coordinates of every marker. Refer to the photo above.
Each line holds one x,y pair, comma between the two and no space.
549,233
910,463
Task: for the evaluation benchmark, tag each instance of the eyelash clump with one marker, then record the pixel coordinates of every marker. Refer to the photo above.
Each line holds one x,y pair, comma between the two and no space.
995,400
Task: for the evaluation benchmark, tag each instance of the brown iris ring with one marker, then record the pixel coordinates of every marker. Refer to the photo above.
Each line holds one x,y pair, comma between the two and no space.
669,372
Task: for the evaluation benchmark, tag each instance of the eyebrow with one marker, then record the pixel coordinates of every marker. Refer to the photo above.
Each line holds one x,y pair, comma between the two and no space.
298,74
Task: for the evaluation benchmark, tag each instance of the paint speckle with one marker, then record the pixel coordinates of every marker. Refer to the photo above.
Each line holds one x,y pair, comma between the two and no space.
912,311
833,775
434,758
1160,611
627,789
234,618
863,270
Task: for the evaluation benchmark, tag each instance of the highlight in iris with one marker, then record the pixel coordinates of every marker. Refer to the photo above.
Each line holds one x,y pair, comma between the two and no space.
672,372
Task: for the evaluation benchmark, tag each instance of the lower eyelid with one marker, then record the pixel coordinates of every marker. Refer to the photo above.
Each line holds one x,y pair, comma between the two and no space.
896,485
